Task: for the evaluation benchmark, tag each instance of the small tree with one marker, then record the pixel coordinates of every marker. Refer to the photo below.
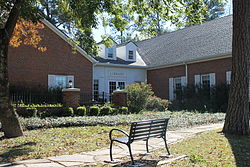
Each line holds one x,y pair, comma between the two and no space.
137,96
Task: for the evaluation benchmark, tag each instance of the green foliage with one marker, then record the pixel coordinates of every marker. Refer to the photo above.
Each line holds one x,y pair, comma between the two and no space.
93,111
156,103
211,99
37,105
50,113
105,110
81,111
28,112
179,119
137,96
123,110
67,111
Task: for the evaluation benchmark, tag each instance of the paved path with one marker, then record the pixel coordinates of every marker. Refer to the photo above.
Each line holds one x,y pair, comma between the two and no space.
119,151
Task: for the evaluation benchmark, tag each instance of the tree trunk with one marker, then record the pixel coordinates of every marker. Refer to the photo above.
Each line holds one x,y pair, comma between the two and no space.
237,116
8,117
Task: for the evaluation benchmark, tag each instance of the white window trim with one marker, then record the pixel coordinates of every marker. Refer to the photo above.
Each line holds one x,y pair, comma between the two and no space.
116,84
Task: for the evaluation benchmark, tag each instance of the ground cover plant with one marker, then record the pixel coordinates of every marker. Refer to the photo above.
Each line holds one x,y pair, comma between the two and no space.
178,119
45,142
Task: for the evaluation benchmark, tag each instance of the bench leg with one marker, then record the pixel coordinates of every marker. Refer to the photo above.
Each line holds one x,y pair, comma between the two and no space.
147,146
110,151
130,152
166,145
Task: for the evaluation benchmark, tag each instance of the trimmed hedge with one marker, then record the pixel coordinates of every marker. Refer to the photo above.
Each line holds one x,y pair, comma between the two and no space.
93,111
28,112
81,111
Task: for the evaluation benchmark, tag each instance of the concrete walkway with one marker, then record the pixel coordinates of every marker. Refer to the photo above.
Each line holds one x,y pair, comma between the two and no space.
119,151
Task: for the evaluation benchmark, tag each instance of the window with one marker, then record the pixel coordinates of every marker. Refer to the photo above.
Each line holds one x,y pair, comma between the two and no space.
177,87
96,90
177,83
60,81
110,53
205,80
130,54
113,85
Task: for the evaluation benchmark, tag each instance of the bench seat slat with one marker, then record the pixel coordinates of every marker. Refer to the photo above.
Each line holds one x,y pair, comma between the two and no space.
147,130
149,126
148,123
161,132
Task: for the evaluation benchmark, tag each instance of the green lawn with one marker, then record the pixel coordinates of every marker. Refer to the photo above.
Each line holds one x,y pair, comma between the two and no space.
55,141
213,149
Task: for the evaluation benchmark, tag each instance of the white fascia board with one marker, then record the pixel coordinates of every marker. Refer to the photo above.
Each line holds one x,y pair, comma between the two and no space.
65,38
210,58
120,65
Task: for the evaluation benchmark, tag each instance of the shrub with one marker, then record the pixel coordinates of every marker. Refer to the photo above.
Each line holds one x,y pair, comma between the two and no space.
137,96
81,111
156,103
213,99
123,110
67,111
105,110
28,112
94,111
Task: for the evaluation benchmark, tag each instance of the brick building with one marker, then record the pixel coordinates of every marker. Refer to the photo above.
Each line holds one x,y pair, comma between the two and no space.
199,54
55,67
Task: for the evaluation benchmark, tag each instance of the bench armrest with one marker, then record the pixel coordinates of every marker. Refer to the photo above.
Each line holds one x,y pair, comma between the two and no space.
119,130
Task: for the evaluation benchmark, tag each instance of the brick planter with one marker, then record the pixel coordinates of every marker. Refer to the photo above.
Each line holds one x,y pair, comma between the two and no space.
71,97
120,98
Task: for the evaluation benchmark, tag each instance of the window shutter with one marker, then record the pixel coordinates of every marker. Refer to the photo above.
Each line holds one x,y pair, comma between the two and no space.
70,77
51,81
197,80
171,88
212,79
184,81
228,77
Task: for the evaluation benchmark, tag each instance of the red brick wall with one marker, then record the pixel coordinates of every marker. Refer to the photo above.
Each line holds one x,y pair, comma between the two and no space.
31,67
158,78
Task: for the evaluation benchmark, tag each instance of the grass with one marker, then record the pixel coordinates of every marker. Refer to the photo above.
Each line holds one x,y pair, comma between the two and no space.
55,141
213,149
50,140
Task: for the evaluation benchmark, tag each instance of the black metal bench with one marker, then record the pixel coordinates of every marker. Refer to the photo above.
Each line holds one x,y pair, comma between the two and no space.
142,130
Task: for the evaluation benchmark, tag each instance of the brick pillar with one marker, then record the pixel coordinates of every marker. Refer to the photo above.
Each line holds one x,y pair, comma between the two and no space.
119,98
71,97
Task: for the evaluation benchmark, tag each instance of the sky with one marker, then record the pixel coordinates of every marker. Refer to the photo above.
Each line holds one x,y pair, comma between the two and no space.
100,30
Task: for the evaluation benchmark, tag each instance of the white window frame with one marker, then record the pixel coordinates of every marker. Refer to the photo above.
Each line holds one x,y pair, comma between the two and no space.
133,54
116,83
52,81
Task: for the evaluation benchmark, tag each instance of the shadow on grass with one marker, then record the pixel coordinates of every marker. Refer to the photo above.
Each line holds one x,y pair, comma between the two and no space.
16,151
148,163
241,149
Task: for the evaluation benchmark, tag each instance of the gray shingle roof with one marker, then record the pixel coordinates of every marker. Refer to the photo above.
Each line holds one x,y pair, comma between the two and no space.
210,39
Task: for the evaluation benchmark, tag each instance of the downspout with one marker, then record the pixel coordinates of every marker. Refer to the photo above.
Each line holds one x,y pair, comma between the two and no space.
186,72
93,72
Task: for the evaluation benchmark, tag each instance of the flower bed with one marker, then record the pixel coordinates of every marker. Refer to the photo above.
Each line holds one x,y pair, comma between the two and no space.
178,119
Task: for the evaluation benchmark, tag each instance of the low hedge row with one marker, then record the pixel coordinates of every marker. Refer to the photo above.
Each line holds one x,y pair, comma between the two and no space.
178,119
68,111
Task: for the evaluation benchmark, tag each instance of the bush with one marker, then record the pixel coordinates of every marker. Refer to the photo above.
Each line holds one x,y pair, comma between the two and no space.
123,110
81,111
105,110
67,111
137,96
213,99
156,103
94,111
28,112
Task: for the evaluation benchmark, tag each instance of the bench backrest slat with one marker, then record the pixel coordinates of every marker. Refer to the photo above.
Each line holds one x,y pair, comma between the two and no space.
145,129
